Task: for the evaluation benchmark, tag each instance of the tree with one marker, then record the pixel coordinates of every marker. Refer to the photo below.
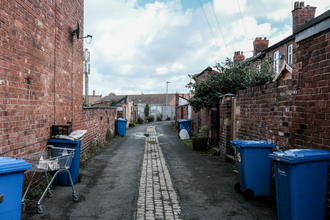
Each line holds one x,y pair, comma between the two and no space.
146,110
111,93
233,76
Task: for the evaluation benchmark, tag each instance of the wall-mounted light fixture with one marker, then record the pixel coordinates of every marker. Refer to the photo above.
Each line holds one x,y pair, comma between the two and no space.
77,32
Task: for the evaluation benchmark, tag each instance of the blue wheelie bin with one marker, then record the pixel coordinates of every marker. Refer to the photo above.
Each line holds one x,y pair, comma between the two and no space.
63,178
11,184
254,167
121,126
301,177
184,124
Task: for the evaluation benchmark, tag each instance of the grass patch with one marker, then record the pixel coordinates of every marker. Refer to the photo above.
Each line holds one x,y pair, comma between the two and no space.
188,142
152,142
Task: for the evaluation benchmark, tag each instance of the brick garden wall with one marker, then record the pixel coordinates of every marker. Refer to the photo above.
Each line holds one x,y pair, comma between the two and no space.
97,120
266,113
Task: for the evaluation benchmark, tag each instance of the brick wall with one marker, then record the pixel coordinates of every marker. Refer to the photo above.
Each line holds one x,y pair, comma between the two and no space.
266,113
225,112
41,74
97,120
181,112
201,118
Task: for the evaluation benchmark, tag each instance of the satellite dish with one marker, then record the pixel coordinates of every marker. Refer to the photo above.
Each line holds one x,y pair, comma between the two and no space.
77,31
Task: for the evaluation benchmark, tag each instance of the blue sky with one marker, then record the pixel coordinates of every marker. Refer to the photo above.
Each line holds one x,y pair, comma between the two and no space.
139,45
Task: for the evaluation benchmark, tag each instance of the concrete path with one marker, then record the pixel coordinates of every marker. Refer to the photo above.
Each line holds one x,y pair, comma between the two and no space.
157,197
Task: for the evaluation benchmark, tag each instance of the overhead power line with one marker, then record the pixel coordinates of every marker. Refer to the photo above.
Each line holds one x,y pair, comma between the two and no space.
243,22
220,29
211,29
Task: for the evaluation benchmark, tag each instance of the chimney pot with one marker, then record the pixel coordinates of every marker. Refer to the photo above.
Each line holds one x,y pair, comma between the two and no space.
300,14
93,92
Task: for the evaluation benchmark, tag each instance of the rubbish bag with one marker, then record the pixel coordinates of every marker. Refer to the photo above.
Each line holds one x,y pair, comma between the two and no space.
184,134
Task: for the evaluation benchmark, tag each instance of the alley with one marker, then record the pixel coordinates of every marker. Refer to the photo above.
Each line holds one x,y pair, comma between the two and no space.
151,174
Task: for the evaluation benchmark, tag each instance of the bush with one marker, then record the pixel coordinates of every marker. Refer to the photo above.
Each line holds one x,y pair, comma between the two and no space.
159,116
151,118
140,120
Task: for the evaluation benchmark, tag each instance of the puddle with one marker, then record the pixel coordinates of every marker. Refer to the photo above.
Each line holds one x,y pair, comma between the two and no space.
144,135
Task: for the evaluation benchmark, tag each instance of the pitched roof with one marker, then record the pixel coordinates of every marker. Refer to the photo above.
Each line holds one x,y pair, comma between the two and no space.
94,98
143,98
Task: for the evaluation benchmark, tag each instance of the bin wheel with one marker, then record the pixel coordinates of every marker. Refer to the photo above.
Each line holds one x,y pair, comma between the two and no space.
79,177
50,193
41,209
248,194
75,197
238,188
23,206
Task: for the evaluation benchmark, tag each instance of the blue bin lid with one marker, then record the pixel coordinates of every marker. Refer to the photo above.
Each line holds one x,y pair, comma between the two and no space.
300,155
120,119
64,141
184,120
252,143
9,165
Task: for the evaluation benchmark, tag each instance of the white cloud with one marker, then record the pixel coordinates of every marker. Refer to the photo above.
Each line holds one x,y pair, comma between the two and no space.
161,70
138,48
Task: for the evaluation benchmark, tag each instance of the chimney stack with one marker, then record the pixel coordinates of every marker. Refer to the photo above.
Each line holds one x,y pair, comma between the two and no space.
259,45
301,14
93,92
238,56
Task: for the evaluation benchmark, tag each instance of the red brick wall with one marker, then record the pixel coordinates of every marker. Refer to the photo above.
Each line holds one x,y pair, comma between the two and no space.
181,112
312,115
97,120
225,112
205,119
41,80
266,113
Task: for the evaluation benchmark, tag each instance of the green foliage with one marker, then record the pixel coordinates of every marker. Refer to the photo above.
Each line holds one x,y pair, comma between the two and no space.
108,135
146,110
140,120
113,101
204,132
232,77
151,118
159,116
37,190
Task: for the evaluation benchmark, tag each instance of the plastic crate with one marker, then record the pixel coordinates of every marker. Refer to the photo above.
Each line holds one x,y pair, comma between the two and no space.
62,129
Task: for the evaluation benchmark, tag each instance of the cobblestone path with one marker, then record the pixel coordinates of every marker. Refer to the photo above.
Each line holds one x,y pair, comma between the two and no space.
157,198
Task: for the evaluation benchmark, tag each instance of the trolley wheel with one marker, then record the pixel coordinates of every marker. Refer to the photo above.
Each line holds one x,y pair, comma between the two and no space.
248,194
23,206
238,187
40,209
75,197
50,193
79,177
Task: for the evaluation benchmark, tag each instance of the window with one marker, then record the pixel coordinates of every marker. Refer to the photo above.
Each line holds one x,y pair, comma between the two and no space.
290,54
276,60
259,67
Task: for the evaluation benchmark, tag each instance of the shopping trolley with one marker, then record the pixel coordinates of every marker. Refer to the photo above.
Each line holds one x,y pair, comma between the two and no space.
50,159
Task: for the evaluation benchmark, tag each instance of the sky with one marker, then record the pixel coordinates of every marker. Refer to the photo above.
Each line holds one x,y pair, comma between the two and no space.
150,47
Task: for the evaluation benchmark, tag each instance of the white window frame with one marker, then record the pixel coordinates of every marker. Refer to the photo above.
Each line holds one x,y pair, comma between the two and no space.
276,61
259,67
290,50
